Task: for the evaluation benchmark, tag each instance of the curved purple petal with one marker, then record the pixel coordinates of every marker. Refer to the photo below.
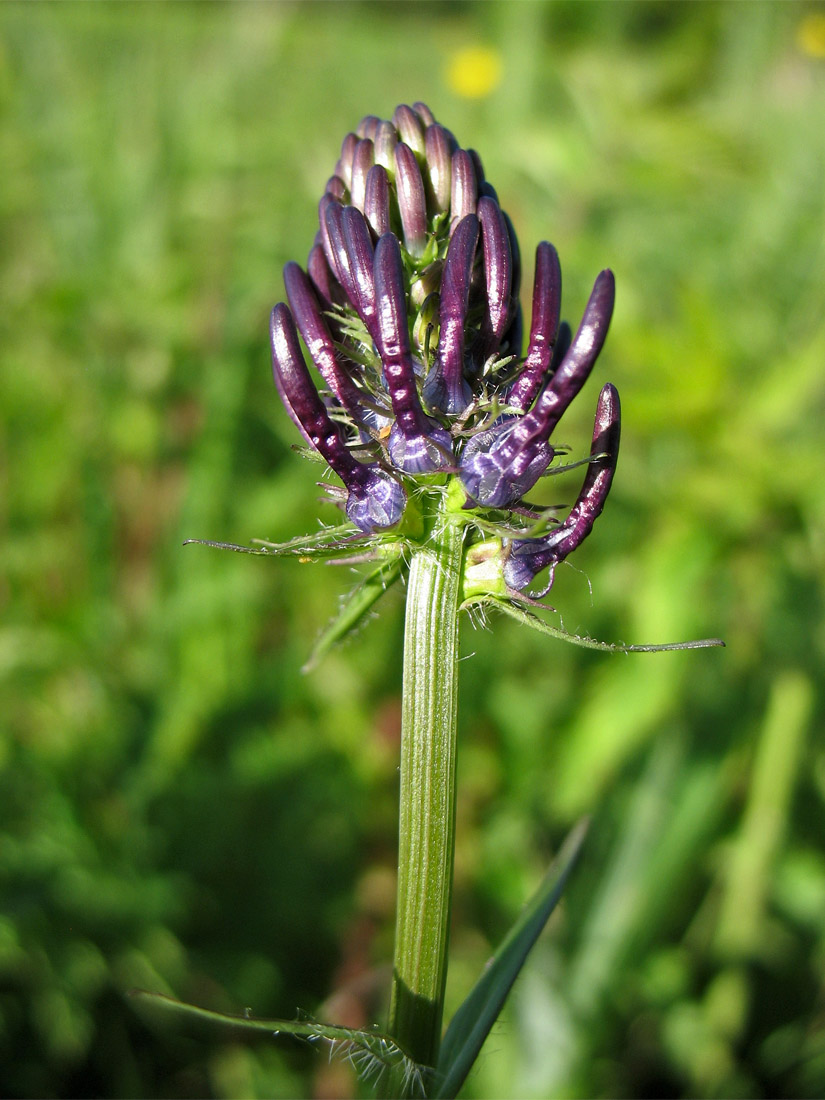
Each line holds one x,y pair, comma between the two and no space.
409,127
528,557
412,202
362,160
446,388
417,444
313,328
498,271
543,328
377,200
463,187
438,159
375,498
501,465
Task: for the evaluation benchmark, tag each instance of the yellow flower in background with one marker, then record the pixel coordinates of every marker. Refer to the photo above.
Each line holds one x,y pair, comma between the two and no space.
810,35
474,71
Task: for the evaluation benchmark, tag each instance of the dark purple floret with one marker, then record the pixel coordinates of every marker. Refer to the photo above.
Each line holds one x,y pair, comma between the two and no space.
528,557
316,335
543,328
463,187
409,126
362,160
500,466
360,252
499,274
375,500
412,202
367,127
438,155
344,166
445,387
417,444
377,200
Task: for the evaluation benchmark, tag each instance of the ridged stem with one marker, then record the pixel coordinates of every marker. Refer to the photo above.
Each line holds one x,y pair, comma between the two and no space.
427,801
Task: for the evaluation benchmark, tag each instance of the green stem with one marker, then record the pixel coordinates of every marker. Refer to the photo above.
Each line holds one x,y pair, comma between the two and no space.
427,811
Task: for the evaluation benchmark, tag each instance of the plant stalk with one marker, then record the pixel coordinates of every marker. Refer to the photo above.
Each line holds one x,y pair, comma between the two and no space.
427,800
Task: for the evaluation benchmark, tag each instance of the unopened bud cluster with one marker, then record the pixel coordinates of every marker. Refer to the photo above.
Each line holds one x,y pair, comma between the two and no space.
409,310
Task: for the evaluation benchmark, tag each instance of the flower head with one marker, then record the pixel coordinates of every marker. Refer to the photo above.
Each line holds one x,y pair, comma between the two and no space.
409,310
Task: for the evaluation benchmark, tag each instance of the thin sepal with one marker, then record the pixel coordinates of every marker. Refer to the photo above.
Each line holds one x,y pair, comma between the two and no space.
326,543
475,1018
354,609
527,618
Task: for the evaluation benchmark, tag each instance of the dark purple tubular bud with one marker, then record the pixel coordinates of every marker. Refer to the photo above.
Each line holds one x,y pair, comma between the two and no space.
344,166
327,202
463,187
377,200
412,203
322,278
528,557
543,328
362,160
409,128
361,257
445,387
417,445
438,175
515,253
367,126
498,273
375,500
500,466
477,165
350,254
337,188
313,328
424,113
385,141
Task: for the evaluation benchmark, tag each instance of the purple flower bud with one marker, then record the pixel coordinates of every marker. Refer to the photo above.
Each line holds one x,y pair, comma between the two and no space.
337,188
367,126
424,113
408,125
316,335
417,444
362,160
477,165
445,387
501,465
385,141
375,500
359,248
412,203
322,278
350,256
498,271
377,200
463,187
344,166
515,254
439,152
528,557
543,328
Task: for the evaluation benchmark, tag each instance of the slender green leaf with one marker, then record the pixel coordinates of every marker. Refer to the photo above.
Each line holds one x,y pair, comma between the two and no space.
371,1053
472,1022
354,608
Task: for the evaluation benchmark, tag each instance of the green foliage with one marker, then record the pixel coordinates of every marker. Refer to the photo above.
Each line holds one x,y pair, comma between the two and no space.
180,809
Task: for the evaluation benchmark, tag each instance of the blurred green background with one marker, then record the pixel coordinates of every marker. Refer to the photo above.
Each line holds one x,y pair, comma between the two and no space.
180,808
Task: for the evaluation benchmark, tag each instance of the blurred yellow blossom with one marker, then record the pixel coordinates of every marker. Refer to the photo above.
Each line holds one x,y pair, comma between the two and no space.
474,71
810,35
